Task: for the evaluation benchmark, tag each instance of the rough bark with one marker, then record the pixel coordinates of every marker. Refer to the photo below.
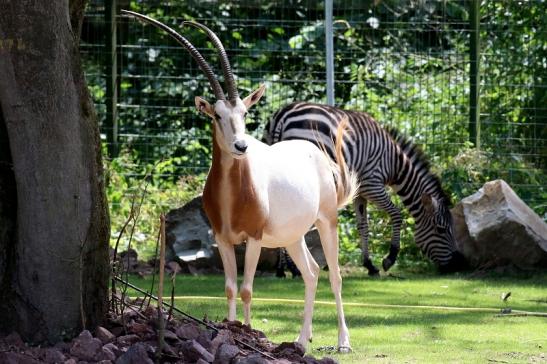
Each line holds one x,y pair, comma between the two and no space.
57,281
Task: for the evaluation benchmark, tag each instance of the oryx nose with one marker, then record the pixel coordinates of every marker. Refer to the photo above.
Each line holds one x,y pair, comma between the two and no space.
241,146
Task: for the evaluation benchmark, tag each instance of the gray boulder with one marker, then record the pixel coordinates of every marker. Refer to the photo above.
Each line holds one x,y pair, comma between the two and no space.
188,233
494,227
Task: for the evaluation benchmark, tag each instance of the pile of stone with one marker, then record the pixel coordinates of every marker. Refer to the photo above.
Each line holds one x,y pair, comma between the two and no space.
132,338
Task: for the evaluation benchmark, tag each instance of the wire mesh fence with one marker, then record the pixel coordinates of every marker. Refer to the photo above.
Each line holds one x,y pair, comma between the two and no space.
408,64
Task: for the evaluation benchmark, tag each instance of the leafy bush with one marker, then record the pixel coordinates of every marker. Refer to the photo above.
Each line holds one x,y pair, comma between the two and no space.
464,174
137,195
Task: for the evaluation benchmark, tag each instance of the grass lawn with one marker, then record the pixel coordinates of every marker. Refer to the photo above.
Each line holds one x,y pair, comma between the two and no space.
415,319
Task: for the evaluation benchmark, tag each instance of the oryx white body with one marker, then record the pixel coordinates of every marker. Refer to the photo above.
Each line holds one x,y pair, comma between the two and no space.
269,196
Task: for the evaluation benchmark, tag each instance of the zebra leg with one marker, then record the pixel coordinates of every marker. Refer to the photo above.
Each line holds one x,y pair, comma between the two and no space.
380,198
291,266
360,206
280,271
285,261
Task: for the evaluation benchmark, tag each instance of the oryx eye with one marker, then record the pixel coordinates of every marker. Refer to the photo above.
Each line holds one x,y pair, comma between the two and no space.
217,116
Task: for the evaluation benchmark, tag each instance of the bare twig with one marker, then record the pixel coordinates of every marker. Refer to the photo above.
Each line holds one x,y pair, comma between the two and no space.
161,336
115,255
173,282
153,282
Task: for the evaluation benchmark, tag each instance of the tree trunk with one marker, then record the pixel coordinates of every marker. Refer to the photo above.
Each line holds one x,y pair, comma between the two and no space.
54,246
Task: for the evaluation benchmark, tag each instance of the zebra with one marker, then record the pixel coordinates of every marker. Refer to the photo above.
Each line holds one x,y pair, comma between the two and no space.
285,261
381,157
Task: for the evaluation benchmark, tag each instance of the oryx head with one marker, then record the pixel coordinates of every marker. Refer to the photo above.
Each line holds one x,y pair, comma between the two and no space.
228,114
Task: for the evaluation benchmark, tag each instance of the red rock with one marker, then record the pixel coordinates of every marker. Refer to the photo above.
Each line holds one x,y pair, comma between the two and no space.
138,328
136,354
225,353
113,348
193,351
14,339
222,337
16,358
54,355
85,346
188,331
170,336
104,334
290,347
127,340
106,353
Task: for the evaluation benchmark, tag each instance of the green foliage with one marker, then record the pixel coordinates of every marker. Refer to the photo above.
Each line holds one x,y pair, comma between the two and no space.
138,194
404,62
464,174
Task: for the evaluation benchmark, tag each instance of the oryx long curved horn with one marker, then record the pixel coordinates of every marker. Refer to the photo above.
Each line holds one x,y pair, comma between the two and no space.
226,68
217,89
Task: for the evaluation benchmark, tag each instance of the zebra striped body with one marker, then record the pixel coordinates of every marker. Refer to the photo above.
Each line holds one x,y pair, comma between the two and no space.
379,158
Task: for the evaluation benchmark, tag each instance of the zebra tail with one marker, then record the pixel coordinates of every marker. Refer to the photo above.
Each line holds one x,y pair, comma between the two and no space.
347,185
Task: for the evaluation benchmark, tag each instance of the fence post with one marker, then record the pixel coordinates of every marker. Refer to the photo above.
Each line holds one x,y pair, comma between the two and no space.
111,74
474,77
329,52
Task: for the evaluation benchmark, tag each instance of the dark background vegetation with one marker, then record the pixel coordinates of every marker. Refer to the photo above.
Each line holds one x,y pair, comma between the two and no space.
406,63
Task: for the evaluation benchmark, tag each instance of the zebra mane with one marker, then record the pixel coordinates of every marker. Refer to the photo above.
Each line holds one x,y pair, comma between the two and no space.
419,159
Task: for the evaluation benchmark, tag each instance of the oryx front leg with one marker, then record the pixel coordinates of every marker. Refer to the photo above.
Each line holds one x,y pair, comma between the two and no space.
227,254
310,273
329,241
252,253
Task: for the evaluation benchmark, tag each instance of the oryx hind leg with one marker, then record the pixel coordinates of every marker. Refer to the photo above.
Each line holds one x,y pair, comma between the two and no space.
329,240
310,273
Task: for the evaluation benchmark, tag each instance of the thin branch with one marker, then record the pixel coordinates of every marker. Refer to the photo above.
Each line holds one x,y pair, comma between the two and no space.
161,319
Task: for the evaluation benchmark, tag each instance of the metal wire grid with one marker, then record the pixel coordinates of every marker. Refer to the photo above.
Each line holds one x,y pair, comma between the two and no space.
400,67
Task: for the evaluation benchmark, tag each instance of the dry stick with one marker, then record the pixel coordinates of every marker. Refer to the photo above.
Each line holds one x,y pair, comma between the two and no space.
161,336
122,231
206,324
132,233
172,295
144,181
156,253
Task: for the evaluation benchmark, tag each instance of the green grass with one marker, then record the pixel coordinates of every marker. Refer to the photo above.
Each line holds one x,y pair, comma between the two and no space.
384,328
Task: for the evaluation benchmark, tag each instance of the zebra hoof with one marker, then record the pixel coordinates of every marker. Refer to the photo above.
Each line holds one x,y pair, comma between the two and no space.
372,270
387,263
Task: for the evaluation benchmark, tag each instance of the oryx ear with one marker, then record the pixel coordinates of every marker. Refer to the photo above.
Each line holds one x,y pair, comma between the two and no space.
430,203
204,107
254,96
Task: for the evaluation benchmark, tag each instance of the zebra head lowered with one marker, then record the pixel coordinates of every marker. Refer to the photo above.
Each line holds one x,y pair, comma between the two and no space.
434,233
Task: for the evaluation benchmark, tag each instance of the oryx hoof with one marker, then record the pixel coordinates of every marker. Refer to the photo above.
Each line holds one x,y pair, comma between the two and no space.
344,349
